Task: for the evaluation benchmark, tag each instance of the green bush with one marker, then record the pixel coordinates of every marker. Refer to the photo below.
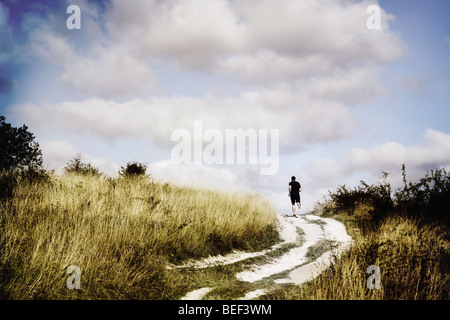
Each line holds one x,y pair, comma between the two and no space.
427,199
133,169
77,166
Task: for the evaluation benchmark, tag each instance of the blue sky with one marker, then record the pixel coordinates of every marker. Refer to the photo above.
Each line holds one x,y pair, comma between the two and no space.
349,102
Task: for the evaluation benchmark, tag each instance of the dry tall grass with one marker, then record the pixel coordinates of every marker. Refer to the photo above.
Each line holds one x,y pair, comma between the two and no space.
122,233
410,257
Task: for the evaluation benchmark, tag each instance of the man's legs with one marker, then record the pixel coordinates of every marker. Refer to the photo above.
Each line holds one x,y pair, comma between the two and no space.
293,204
295,199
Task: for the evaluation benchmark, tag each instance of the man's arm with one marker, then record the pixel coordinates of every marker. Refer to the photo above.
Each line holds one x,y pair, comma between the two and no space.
289,190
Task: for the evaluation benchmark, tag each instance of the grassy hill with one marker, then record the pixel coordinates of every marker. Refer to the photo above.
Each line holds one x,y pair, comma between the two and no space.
405,232
124,232
121,232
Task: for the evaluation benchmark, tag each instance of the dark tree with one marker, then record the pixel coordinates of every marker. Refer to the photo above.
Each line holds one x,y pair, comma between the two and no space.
77,166
133,169
18,148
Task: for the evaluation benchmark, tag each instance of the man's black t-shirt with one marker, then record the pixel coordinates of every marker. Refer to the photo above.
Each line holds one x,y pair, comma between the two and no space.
295,187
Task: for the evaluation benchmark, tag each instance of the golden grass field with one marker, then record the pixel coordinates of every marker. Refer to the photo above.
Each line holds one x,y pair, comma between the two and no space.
122,233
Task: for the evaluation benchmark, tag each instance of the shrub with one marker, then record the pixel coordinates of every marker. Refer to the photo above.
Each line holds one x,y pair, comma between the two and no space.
429,199
133,169
76,166
365,203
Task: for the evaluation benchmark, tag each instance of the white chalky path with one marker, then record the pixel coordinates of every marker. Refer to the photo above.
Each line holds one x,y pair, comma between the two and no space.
314,228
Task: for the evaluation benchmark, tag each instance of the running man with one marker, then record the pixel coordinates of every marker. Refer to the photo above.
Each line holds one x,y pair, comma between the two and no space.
294,192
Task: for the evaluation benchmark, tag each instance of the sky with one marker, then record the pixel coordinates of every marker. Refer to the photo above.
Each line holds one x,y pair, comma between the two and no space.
347,101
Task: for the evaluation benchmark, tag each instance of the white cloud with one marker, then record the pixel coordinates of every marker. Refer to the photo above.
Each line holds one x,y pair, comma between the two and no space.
216,28
108,72
199,176
323,172
193,33
432,152
351,86
57,153
260,42
302,122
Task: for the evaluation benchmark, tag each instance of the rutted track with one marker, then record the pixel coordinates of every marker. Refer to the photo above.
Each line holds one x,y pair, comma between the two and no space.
295,260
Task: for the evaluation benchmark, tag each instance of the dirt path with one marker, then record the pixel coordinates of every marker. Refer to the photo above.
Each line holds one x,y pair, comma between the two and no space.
308,231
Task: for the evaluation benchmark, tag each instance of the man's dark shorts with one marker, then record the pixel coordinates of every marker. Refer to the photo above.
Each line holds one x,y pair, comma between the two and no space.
295,198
